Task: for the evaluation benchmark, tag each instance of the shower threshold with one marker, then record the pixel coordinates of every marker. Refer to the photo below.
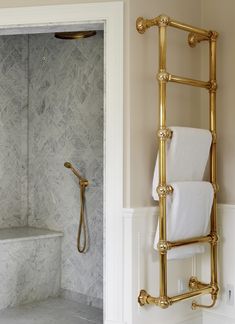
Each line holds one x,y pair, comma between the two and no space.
52,311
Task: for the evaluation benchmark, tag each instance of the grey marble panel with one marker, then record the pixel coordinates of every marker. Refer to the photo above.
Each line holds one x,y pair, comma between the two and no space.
30,270
66,124
13,130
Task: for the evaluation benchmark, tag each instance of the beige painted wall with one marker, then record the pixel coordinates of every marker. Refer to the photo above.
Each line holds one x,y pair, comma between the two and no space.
220,15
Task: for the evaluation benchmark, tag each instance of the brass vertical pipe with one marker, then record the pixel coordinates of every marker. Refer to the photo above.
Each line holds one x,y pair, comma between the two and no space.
162,158
213,166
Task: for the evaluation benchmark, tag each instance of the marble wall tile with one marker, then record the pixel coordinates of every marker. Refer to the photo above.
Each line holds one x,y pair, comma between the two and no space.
66,124
30,270
13,130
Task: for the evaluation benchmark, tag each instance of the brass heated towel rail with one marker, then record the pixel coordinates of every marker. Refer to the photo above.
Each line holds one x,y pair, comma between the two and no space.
196,288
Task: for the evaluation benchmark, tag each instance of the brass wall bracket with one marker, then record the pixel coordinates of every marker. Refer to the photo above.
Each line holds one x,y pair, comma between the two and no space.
194,39
143,297
163,302
164,134
195,284
163,191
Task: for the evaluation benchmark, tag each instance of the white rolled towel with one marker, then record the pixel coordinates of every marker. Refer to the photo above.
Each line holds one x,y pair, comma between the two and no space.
186,156
188,213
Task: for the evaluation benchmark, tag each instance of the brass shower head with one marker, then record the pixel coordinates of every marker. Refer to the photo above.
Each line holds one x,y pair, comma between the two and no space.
68,165
75,35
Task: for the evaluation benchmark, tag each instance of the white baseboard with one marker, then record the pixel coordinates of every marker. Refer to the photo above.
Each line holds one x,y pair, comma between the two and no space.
193,319
112,322
215,318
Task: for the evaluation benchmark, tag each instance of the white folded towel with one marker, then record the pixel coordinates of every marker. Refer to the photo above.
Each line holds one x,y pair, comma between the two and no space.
187,155
188,214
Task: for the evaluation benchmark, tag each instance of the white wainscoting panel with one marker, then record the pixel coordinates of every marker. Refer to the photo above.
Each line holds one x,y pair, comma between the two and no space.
141,272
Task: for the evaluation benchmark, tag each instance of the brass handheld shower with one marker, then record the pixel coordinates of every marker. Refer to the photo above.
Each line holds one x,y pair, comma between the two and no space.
82,228
82,180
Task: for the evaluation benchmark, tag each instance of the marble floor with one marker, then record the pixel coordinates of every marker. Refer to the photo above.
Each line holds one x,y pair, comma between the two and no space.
52,311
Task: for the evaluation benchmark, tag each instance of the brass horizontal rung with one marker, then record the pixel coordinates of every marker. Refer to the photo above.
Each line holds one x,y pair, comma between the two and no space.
165,301
189,28
190,294
191,82
193,240
163,20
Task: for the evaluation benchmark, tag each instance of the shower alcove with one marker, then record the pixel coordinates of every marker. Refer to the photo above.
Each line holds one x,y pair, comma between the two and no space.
55,105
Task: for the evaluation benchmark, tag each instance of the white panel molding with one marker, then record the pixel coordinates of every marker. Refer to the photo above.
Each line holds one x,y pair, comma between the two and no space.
141,220
110,15
140,271
212,317
226,209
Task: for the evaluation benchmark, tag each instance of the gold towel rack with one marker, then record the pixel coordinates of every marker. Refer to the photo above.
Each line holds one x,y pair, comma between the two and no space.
82,228
197,288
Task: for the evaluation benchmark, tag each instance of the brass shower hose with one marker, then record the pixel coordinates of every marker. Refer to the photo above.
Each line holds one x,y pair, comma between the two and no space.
82,248
82,228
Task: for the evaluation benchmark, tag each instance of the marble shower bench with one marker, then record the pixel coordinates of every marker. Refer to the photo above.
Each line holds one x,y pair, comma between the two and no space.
30,265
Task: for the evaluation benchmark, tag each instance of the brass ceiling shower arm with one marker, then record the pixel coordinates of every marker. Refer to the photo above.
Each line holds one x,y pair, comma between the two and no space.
75,35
